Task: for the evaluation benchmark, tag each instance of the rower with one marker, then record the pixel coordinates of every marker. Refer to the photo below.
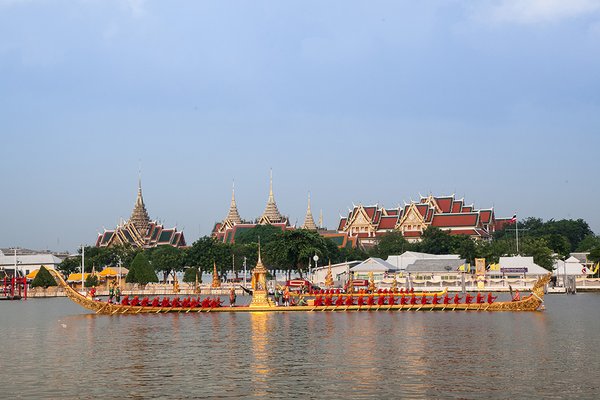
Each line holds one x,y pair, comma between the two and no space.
381,300
457,299
135,301
490,298
156,301
360,301
145,301
446,299
424,299
349,301
125,301
435,299
391,300
339,301
403,300
370,300
479,298
165,302
468,298
413,299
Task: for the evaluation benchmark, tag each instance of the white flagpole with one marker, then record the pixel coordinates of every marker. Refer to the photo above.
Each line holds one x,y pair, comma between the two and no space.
82,266
517,232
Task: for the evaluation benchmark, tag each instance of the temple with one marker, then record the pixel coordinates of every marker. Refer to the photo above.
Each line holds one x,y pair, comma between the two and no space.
309,222
445,212
139,231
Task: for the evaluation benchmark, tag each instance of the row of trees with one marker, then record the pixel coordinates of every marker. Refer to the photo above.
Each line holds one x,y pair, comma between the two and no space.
293,250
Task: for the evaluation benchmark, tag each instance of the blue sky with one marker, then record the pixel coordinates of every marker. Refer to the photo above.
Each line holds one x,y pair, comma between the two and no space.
355,101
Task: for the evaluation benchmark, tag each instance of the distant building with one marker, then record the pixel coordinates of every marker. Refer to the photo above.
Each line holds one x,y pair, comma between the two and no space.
139,231
447,213
229,228
26,263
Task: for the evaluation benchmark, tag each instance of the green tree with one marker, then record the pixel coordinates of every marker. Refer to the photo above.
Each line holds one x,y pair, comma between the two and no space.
91,280
266,233
435,241
464,246
190,274
538,248
559,244
389,244
140,271
43,279
588,243
206,251
594,255
167,259
70,265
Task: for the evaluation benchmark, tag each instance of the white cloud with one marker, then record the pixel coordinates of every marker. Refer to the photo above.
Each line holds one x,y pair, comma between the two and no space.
536,11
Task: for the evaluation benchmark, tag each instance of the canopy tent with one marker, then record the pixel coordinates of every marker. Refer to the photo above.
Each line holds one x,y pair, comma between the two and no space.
76,277
32,274
571,266
112,272
375,265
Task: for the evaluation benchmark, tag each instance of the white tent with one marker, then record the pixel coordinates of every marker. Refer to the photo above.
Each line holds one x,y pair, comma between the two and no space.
373,264
410,257
571,266
520,265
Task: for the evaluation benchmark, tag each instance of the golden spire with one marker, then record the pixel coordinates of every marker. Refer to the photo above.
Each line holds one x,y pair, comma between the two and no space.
321,219
233,217
329,277
139,215
271,214
309,222
216,282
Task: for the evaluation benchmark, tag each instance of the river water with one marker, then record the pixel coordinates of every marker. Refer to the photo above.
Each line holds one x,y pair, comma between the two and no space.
52,348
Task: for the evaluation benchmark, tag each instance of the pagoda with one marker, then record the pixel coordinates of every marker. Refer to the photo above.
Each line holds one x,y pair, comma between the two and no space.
140,231
271,215
260,295
309,222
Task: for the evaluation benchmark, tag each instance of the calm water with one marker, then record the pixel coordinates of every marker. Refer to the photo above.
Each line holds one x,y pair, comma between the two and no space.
54,349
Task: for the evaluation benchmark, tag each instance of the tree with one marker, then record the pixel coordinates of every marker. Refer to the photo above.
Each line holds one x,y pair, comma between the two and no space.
190,274
435,241
594,255
588,243
206,251
140,271
166,259
91,280
464,246
390,243
538,248
43,279
70,265
559,244
266,233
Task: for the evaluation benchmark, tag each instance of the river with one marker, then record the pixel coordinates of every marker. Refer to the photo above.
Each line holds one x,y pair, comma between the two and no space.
52,348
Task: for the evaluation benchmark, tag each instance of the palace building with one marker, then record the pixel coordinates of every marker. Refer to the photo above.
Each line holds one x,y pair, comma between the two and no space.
139,231
446,212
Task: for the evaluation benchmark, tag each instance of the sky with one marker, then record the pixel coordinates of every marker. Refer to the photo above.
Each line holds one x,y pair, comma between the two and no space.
353,101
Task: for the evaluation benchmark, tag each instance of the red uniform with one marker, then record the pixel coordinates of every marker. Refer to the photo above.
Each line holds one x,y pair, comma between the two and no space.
186,302
413,299
435,299
125,301
349,301
145,302
490,298
135,301
360,301
370,301
391,300
328,300
457,299
479,298
403,300
424,299
339,301
381,300
318,301
468,299
194,303
156,302
205,302
446,299
165,302
176,302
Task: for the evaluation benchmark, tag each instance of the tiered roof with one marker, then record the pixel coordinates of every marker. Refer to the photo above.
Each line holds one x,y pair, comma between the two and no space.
140,231
444,212
309,222
271,215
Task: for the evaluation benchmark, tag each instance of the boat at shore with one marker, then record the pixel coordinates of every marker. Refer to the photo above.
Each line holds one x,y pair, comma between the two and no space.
261,303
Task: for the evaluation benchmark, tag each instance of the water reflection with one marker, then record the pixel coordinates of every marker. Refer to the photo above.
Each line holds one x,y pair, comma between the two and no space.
260,357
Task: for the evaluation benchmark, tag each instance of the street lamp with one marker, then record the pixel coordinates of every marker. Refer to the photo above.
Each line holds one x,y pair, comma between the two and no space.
315,258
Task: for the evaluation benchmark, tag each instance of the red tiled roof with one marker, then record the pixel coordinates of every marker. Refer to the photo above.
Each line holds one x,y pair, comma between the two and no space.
449,220
485,216
457,206
393,211
470,232
377,217
445,203
423,209
370,211
412,233
388,222
467,209
342,224
501,223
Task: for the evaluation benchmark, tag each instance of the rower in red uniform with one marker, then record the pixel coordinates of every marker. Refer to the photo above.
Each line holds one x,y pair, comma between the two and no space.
391,300
479,298
156,301
403,300
135,301
457,299
412,290
401,290
349,301
360,301
125,301
145,301
194,302
205,302
435,299
424,299
176,302
339,301
490,298
446,299
165,302
328,300
413,299
381,300
318,301
370,301
468,298
185,303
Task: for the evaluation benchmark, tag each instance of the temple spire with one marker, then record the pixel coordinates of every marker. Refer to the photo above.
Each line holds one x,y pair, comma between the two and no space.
309,222
271,214
139,216
233,217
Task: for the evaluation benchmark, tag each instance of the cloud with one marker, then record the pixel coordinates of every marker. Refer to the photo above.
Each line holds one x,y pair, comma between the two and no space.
536,11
